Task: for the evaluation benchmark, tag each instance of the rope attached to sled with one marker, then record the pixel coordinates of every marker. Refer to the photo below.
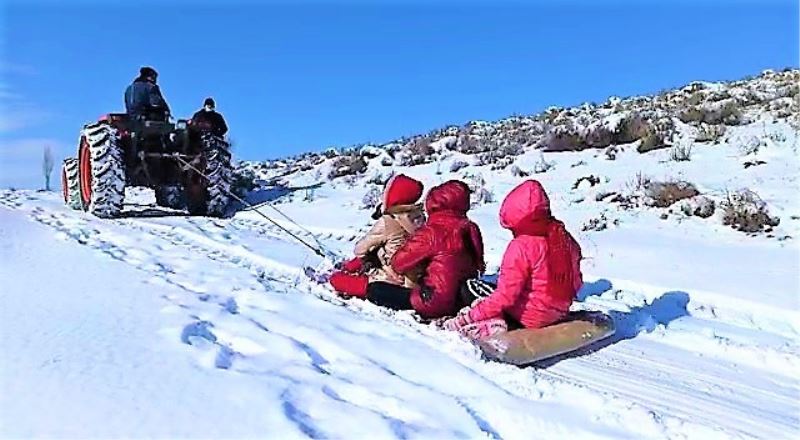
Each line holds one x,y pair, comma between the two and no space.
319,249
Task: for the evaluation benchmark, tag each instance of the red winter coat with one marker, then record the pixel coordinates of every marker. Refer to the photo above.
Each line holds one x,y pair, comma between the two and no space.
449,248
540,274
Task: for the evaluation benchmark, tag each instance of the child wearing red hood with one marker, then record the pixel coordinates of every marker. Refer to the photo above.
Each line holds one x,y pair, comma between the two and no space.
397,217
448,250
540,273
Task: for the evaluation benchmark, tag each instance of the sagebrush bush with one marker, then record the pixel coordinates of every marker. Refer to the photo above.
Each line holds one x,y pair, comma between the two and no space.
709,133
665,194
681,153
651,141
632,128
458,165
745,211
371,198
347,166
244,181
516,171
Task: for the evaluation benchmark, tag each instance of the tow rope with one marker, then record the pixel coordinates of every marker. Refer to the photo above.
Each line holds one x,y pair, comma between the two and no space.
316,249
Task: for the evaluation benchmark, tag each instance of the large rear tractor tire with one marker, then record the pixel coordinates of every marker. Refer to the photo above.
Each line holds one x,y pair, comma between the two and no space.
70,184
210,195
101,170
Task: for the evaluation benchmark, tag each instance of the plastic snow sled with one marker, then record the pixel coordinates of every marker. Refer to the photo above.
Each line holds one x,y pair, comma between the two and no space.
526,346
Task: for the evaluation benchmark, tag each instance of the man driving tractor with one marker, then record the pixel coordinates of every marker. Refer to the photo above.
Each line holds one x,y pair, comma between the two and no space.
143,97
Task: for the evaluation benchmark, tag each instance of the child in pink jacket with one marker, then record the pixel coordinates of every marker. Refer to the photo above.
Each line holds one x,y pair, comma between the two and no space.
540,273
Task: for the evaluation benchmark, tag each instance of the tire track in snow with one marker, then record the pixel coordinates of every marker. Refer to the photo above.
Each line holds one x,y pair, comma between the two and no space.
616,367
604,382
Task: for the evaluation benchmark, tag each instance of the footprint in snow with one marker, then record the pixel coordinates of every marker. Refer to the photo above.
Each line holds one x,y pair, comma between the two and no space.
198,333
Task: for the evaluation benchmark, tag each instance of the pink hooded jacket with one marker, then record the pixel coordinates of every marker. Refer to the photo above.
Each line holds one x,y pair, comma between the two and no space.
540,273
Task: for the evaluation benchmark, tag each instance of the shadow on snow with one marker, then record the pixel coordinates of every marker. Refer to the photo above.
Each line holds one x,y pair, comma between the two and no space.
628,324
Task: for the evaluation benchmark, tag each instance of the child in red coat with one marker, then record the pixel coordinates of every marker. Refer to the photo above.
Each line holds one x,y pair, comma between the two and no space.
448,250
398,216
540,273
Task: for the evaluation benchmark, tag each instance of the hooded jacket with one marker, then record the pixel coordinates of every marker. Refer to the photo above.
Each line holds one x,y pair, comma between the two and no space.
540,273
400,217
144,98
448,250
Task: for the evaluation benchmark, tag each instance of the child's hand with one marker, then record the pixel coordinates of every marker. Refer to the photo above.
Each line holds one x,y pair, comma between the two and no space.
457,323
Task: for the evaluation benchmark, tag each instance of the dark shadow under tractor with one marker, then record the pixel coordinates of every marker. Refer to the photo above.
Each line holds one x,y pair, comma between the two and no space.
119,151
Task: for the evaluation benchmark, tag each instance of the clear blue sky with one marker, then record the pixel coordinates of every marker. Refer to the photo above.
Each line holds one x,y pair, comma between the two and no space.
302,76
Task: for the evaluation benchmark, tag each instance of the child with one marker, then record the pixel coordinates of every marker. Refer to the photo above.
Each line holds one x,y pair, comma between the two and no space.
397,218
448,250
540,273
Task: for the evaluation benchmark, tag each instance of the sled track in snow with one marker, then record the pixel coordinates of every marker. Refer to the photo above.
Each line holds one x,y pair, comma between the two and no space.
618,366
631,375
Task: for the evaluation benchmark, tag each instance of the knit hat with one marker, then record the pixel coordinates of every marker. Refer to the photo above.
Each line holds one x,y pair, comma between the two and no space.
209,102
401,190
148,72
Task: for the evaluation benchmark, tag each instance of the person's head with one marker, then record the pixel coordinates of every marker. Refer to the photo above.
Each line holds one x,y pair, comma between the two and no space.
452,196
525,204
399,193
209,105
149,74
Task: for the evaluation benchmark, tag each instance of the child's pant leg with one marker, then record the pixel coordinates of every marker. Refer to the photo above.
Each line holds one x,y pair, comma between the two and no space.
348,284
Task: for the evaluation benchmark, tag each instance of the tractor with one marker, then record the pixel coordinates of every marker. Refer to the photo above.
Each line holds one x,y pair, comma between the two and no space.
185,163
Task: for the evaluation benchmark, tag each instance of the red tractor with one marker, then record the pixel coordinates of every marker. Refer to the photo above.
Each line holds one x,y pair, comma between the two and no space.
120,150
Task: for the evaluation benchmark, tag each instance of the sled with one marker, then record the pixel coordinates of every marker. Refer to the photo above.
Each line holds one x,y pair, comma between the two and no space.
526,346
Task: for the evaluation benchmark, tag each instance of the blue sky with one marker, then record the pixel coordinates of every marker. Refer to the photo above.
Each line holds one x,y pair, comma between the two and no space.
301,76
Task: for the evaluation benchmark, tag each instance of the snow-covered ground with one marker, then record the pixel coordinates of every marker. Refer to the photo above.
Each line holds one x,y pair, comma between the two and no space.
162,325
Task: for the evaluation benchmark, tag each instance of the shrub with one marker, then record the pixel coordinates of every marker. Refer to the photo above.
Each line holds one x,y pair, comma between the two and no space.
592,180
244,181
709,133
599,136
561,140
745,211
347,166
596,223
371,198
651,141
725,111
468,144
681,153
699,206
516,171
458,165
380,178
542,165
664,194
480,194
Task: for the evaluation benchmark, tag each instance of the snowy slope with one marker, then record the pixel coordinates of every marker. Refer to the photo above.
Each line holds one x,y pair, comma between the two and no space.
161,325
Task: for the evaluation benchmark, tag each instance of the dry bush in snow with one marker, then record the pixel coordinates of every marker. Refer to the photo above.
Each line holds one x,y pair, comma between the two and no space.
709,133
681,153
458,165
371,198
745,211
347,166
664,194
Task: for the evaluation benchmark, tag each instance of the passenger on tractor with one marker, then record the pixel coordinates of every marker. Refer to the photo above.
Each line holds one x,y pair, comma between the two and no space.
143,98
208,119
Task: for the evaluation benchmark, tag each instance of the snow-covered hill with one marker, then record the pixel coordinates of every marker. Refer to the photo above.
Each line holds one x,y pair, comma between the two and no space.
161,325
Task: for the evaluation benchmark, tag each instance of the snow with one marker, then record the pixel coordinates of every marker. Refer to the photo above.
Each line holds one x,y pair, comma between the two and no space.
158,325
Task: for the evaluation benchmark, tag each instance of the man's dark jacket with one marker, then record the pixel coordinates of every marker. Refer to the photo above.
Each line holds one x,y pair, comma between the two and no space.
144,98
213,121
